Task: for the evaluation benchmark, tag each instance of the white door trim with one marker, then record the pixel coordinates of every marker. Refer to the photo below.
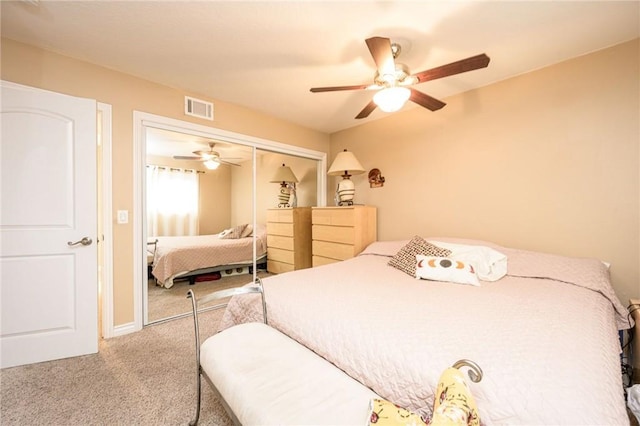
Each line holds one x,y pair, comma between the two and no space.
106,239
142,120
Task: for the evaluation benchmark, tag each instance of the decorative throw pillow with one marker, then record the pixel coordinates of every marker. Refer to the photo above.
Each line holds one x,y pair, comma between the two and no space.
385,413
445,269
247,231
405,258
454,404
233,233
490,264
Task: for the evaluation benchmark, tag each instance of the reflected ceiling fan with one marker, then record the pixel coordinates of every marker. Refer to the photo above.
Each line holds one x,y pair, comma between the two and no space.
211,158
393,79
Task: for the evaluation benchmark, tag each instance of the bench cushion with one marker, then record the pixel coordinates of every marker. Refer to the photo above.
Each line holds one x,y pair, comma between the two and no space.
266,378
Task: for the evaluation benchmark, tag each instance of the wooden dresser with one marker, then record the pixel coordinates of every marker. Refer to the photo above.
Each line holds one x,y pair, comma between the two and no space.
288,239
340,233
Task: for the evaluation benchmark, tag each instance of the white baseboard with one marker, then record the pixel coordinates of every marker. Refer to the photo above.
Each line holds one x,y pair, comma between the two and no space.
121,330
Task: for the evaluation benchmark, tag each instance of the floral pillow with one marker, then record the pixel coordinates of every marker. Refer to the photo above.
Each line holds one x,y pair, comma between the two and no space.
453,405
405,258
385,413
445,269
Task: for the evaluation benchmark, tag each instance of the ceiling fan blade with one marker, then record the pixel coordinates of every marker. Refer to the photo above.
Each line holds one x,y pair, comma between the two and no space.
425,100
336,88
230,164
186,157
380,48
367,110
463,65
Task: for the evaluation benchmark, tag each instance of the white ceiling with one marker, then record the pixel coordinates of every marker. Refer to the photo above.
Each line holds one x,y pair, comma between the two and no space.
165,143
266,55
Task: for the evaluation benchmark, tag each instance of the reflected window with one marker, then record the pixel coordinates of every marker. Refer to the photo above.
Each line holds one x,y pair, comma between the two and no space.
172,201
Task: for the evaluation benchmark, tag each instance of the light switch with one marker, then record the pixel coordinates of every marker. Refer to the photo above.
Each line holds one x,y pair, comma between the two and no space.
123,216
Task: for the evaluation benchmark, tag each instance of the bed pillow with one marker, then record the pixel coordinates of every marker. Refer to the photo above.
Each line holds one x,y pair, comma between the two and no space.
490,264
445,269
247,232
233,233
405,258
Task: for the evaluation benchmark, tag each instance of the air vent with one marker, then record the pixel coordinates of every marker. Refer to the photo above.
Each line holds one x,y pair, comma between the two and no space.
198,108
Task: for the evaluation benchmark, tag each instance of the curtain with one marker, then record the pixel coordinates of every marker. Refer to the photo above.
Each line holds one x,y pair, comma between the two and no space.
172,201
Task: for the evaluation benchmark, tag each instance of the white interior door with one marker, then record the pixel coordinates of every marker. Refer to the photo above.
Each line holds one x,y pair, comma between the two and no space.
49,286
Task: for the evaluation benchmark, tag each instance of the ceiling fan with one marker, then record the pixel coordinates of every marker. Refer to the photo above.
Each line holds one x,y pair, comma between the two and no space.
392,79
210,158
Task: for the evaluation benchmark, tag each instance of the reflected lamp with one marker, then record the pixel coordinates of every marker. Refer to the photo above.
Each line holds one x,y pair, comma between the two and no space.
287,180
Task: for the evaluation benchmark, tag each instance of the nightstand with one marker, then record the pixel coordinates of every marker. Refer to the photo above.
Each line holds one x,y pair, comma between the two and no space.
340,233
288,239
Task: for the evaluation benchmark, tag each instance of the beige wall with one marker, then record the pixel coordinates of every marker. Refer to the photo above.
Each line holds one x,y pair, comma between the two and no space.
38,68
545,161
215,201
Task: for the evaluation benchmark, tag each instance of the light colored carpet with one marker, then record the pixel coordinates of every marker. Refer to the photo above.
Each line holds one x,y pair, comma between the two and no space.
169,302
144,378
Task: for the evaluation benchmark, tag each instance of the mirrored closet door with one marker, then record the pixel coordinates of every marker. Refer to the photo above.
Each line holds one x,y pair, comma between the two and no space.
205,197
199,219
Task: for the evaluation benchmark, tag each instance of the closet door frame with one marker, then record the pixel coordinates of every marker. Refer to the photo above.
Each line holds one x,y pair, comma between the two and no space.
143,120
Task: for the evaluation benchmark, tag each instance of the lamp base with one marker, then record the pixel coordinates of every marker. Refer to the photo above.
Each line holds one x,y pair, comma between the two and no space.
345,192
283,197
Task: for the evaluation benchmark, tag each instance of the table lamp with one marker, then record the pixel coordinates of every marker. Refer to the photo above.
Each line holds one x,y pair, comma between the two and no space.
345,164
284,176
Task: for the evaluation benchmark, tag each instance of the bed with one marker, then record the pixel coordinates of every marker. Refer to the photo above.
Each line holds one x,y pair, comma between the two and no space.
545,334
181,257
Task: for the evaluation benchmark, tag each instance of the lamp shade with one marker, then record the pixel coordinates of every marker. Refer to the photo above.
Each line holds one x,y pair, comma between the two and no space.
345,163
284,174
392,99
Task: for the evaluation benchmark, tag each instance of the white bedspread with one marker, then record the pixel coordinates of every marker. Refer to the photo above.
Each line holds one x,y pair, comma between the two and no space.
545,335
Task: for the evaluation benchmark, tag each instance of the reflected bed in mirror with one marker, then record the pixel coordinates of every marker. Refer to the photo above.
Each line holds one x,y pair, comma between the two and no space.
189,257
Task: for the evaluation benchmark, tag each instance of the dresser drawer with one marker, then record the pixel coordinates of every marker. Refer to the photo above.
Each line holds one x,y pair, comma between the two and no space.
285,229
332,250
288,239
280,215
280,255
335,217
320,260
280,241
336,234
276,267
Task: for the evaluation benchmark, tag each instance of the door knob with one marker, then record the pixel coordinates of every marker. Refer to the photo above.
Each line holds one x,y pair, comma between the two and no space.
86,241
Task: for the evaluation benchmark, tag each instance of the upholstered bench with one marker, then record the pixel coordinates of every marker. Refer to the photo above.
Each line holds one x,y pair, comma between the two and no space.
263,377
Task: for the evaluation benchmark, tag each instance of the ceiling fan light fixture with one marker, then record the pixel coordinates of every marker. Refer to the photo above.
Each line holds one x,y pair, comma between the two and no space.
211,164
391,99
